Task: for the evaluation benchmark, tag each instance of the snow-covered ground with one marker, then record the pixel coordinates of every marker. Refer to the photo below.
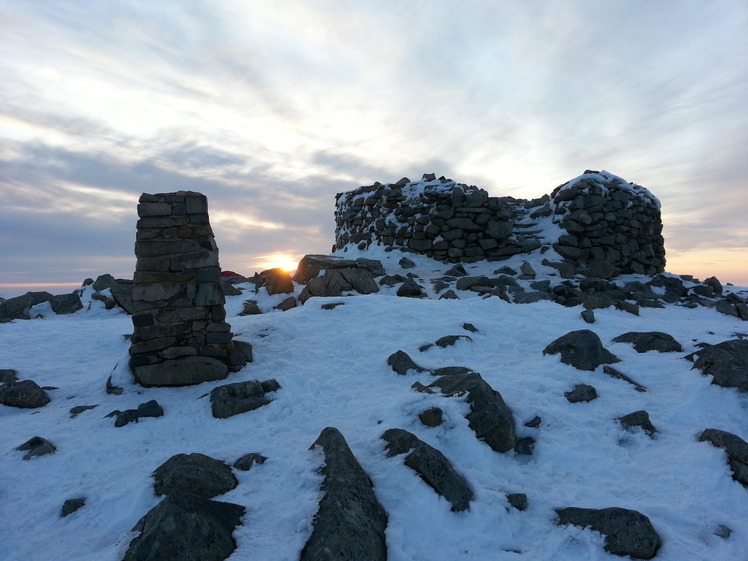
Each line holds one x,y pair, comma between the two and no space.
332,367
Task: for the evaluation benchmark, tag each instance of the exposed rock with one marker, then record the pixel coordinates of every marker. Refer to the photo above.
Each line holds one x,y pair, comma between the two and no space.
411,289
109,303
431,465
8,375
287,304
581,349
627,532
111,389
650,341
35,447
148,409
250,308
726,362
490,418
197,474
229,289
25,394
276,281
185,527
457,270
72,505
443,342
331,305
350,523
311,265
66,303
336,281
449,295
232,399
588,316
581,392
248,461
614,373
736,449
374,266
406,263
524,446
517,500
401,363
78,409
452,371
432,417
19,307
638,419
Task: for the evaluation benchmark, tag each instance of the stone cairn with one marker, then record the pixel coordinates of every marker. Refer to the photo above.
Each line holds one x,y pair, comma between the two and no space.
180,336
607,225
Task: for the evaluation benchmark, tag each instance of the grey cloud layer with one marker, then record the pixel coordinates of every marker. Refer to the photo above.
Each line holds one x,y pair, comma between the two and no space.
272,108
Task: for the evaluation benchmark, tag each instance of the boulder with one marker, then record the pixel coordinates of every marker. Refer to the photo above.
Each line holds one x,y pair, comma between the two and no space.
650,341
250,308
66,303
431,465
185,371
581,349
350,523
726,362
431,417
25,394
410,289
489,417
232,399
185,527
311,265
122,294
276,281
736,449
627,532
19,307
197,474
35,447
148,409
517,500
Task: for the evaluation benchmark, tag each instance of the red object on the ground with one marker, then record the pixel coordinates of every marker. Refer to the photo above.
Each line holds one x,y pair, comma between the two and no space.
229,274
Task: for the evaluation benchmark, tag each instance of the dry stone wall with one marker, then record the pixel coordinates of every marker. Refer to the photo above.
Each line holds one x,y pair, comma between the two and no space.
598,222
180,336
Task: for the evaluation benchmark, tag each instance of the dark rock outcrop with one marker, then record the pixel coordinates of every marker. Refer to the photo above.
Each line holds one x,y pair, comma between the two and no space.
350,523
25,394
401,363
736,449
650,341
248,461
35,447
638,419
490,418
581,349
72,505
185,527
726,362
615,373
232,399
148,409
197,474
275,281
581,392
627,532
431,465
63,304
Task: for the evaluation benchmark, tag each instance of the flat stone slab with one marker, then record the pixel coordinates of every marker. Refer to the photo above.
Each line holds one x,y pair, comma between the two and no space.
181,372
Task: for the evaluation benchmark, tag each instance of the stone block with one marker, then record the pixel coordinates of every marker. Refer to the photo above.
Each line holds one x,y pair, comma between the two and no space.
181,372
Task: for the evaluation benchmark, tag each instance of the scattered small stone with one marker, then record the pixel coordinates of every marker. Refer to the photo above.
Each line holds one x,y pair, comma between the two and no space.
452,371
726,362
149,409
638,419
449,295
250,308
581,392
248,461
287,304
517,500
410,289
111,389
723,531
35,447
432,417
71,505
443,342
615,373
524,446
628,307
406,263
470,327
78,409
401,363
588,316
534,422
331,305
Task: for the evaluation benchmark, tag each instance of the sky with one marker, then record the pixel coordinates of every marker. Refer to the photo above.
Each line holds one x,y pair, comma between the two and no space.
270,109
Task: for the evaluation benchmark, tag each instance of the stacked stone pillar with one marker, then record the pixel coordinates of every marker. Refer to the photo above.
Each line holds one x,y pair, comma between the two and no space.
180,334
